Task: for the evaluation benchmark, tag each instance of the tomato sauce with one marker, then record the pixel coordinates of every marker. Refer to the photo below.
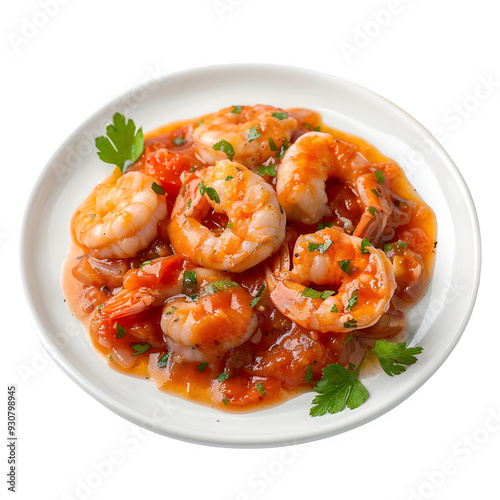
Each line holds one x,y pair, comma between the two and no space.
282,359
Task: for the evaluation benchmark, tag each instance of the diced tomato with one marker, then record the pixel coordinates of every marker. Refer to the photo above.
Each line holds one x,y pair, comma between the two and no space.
167,169
244,392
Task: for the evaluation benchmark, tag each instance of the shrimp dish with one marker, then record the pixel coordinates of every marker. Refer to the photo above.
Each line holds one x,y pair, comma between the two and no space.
230,258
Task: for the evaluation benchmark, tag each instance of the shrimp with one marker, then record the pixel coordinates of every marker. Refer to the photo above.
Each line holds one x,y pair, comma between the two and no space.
316,157
120,216
220,319
256,225
200,321
363,274
253,132
147,287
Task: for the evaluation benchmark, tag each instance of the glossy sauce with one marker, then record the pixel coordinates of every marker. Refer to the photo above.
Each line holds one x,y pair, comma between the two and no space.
274,364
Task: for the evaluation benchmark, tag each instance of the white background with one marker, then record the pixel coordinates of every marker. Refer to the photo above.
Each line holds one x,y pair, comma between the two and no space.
429,57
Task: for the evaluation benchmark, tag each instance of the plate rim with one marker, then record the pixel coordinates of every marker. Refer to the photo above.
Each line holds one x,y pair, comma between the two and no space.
220,439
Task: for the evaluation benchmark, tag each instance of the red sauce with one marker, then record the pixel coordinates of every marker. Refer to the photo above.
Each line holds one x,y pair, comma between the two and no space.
276,362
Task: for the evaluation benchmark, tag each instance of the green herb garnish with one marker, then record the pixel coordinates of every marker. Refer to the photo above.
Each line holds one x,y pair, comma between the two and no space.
123,145
179,141
311,293
218,286
379,175
157,189
223,376
284,147
162,360
321,247
392,357
269,170
365,243
120,331
236,110
252,133
260,388
272,144
201,366
281,115
309,374
256,299
345,265
225,147
209,191
140,348
352,301
322,225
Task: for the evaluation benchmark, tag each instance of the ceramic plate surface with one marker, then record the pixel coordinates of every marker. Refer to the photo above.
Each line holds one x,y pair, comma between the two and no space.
435,324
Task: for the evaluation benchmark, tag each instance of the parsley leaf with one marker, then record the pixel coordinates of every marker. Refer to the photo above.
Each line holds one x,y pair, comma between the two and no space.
209,191
236,110
123,145
365,243
226,148
157,188
322,225
252,133
387,247
372,210
269,170
380,176
339,388
309,374
322,247
376,193
392,357
345,265
162,360
316,294
145,263
229,177
284,147
317,129
281,115
230,224
217,286
272,144
140,348
256,299
352,323
189,283
120,331
223,376
179,141
352,301
201,366
334,309
260,388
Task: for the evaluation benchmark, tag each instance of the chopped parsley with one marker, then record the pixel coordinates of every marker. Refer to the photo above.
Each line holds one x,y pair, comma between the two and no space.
189,283
352,301
201,366
372,210
334,309
272,144
309,374
145,263
225,401
225,147
284,147
120,331
218,286
387,247
172,310
269,170
162,360
365,243
379,175
260,388
322,225
236,110
281,115
229,177
230,224
209,191
321,247
252,133
256,299
123,145
140,348
317,129
345,265
179,141
311,293
157,189
223,376
352,323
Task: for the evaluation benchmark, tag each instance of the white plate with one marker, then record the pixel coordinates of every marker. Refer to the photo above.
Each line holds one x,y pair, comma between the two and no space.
435,324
